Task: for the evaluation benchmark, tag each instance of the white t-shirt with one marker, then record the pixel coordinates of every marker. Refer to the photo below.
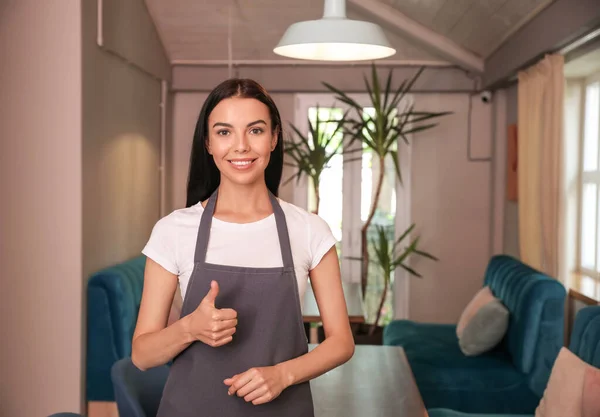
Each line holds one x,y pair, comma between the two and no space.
172,243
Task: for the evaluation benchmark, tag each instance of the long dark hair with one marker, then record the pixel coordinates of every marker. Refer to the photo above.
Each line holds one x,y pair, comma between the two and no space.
204,177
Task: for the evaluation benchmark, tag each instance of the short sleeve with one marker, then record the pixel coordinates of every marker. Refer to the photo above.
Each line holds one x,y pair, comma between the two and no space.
162,245
321,239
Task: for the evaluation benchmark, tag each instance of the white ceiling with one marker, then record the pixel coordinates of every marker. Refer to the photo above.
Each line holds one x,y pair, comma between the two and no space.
194,30
477,25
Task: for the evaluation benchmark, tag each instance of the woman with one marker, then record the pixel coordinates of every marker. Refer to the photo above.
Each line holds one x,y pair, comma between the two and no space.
241,258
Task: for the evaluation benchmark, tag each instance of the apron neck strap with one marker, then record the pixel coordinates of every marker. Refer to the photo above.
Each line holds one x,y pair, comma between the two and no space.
206,222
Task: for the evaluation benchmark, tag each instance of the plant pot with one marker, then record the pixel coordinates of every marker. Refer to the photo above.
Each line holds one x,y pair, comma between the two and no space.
361,334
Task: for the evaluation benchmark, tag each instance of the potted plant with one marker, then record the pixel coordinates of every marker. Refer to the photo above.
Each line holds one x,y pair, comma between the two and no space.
388,257
380,133
310,154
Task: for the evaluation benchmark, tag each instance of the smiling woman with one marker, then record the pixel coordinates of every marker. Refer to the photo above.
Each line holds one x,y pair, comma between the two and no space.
246,147
238,121
241,258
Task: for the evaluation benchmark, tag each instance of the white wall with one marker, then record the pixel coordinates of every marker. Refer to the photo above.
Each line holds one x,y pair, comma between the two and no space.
40,210
451,197
186,107
121,134
79,149
451,205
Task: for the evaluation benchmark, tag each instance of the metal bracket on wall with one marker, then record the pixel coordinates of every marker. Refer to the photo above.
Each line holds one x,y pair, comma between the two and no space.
476,84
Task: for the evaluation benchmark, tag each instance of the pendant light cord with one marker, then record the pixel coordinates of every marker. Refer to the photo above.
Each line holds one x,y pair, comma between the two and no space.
229,47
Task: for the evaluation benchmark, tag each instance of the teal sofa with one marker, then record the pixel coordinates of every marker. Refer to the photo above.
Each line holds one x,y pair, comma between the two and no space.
585,343
510,378
113,302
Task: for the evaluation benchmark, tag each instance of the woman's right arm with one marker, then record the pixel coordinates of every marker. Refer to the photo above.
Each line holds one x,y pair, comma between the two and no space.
155,343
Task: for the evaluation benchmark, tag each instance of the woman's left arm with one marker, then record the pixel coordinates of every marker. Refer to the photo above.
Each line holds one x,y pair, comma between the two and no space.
261,385
338,346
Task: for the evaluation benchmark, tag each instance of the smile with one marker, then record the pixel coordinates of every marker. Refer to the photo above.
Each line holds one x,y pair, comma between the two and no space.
242,163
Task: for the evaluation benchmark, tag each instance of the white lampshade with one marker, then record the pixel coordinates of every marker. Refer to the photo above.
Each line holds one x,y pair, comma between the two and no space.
334,38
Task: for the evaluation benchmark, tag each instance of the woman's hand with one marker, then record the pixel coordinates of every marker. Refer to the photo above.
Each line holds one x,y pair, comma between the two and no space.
210,325
258,385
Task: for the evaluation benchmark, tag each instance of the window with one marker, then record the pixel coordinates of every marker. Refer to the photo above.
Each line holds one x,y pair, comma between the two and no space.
330,187
589,228
346,193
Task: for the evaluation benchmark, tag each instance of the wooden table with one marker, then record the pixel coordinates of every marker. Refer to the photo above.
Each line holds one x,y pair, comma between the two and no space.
376,382
310,309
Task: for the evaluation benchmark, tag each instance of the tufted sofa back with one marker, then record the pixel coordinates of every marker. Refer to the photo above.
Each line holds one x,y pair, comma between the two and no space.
536,328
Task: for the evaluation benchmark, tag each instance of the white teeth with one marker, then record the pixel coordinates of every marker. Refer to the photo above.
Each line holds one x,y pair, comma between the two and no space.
241,163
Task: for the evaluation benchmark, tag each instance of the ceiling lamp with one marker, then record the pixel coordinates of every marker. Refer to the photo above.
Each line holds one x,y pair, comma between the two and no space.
334,38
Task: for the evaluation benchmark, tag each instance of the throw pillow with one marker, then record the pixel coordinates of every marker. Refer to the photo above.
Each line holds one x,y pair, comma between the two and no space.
480,299
590,406
485,329
563,394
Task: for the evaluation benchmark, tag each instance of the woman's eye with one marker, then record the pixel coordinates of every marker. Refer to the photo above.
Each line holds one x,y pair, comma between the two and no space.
256,131
223,132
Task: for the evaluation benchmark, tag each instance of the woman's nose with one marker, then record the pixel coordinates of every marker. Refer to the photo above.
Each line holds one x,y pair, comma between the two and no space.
242,143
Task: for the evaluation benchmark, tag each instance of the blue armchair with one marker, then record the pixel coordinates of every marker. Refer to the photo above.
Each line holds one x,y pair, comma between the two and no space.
113,301
510,378
585,343
138,393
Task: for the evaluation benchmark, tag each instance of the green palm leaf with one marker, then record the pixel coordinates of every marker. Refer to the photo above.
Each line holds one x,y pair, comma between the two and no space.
393,119
311,153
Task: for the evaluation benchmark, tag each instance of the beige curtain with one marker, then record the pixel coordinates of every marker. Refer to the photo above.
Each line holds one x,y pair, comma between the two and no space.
540,146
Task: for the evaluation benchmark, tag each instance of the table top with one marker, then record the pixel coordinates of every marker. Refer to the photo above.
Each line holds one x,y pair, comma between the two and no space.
376,382
352,293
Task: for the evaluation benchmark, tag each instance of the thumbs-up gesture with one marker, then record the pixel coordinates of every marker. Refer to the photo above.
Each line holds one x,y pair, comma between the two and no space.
210,325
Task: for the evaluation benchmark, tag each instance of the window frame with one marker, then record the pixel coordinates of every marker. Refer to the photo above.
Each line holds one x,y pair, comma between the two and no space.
352,199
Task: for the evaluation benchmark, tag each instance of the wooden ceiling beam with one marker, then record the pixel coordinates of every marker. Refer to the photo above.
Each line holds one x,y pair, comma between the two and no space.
398,22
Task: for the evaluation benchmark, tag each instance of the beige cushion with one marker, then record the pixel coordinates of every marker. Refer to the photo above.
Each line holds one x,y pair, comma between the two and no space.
483,297
480,299
485,330
563,394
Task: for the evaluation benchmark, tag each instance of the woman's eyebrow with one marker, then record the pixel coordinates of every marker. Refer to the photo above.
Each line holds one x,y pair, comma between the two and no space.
256,122
248,125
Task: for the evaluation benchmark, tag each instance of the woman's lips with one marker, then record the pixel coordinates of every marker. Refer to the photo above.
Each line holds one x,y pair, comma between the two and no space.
242,164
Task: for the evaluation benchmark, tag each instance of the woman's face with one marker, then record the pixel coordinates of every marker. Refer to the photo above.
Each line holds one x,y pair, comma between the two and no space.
240,139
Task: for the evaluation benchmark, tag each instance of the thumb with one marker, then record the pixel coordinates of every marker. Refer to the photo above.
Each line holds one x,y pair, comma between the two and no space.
212,293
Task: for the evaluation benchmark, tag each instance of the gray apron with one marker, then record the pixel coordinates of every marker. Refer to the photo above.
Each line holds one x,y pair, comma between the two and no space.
269,331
